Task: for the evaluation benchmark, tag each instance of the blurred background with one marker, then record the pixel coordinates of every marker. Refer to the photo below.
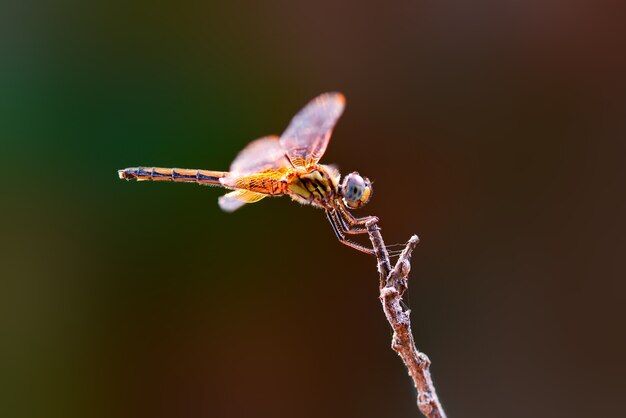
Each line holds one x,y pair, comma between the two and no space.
495,130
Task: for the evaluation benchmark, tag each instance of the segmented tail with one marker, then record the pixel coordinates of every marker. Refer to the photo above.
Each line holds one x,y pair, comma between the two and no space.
182,175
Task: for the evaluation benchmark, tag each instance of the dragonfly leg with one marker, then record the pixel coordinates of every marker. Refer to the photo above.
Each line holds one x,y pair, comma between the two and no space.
348,229
339,227
354,225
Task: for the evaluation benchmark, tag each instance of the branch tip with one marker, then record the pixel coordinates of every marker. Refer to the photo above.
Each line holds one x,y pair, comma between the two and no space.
393,283
371,223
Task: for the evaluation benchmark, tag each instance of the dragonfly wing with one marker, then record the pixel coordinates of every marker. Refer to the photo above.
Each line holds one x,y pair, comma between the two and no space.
306,138
232,201
259,155
266,182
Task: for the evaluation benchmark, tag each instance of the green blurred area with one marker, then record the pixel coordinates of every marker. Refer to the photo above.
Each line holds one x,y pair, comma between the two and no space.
494,130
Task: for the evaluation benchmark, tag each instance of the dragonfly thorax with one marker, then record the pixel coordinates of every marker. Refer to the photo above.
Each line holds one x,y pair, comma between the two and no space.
314,187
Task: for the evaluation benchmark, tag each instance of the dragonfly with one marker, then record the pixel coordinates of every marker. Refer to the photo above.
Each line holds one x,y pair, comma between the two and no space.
287,165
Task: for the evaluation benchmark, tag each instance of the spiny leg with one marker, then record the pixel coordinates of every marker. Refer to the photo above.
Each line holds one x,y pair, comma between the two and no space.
345,228
335,222
354,225
354,229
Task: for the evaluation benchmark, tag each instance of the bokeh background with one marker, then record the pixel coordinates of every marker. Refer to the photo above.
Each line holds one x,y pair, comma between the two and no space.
494,130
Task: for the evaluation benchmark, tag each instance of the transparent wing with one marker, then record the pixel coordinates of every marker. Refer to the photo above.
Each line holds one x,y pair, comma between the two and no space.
307,136
234,200
259,155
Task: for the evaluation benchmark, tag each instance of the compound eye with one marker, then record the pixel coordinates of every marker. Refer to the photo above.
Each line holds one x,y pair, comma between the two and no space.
354,187
356,190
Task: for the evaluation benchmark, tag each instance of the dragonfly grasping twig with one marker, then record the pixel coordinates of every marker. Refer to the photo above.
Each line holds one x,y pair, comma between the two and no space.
289,165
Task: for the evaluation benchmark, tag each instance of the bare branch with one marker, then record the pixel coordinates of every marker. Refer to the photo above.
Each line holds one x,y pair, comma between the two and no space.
393,283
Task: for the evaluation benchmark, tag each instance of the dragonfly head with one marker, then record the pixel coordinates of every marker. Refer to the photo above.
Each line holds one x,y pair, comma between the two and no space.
356,190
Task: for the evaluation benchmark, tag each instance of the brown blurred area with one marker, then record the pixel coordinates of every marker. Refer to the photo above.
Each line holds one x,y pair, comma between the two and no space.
494,130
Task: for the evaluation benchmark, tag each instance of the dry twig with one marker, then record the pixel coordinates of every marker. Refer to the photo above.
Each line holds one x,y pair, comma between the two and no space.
393,283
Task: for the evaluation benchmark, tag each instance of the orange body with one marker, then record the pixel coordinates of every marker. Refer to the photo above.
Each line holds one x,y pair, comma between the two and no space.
285,165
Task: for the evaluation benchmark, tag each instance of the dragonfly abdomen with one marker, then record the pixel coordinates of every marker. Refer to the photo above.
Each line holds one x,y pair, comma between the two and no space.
172,174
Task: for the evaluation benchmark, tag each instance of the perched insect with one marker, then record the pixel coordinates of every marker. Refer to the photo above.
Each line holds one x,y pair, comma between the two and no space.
273,166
